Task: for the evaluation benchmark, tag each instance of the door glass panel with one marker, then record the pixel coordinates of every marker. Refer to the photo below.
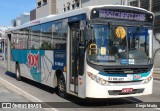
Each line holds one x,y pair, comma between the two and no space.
75,56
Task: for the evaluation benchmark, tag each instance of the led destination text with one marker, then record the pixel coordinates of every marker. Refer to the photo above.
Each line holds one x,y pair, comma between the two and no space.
121,15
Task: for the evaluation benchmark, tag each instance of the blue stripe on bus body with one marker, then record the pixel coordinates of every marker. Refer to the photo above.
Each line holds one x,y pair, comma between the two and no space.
145,74
59,60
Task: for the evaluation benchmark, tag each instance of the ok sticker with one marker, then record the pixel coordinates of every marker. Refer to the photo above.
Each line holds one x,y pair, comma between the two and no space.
136,76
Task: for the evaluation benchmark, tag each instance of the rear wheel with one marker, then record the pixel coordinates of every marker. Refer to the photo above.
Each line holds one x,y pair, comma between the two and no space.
18,76
61,87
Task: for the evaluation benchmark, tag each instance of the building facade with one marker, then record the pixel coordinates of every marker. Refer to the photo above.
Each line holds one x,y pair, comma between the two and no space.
50,7
66,5
33,14
45,8
154,6
23,18
151,5
3,41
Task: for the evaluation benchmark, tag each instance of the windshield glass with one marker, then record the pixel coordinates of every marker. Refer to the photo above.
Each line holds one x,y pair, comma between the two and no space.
116,45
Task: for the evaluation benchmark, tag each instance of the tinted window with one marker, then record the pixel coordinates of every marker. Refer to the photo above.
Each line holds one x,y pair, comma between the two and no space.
46,36
34,39
19,39
59,34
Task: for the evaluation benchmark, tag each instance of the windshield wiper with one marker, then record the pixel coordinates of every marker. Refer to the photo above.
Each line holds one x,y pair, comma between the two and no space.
110,25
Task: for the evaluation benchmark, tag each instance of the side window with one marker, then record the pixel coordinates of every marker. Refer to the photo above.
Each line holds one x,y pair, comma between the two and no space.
19,41
22,38
34,39
59,34
46,36
15,44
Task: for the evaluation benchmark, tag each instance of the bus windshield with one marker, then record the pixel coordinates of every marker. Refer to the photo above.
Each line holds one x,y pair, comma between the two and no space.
118,45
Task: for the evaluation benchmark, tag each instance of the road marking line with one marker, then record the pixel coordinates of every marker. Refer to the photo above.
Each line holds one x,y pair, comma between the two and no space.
158,109
38,100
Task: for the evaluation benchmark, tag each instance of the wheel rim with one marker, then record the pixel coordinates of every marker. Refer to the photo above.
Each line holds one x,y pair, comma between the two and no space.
61,86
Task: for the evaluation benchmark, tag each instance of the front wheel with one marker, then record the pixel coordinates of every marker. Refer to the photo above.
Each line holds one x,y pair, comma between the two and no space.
18,76
61,86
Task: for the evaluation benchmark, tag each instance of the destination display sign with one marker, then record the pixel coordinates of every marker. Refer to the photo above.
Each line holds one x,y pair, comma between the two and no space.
122,14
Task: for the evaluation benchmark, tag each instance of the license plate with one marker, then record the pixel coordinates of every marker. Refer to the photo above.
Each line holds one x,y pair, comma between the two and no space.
127,90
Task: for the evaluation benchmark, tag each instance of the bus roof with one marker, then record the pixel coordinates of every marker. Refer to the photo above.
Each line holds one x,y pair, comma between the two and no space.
70,13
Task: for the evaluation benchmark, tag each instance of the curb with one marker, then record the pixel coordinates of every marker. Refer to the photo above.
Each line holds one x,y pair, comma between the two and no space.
157,79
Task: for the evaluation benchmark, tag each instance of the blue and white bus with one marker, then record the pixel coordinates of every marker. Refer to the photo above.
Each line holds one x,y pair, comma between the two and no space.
93,52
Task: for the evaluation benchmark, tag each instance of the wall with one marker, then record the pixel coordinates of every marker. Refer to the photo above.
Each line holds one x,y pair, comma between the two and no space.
45,9
33,14
156,46
100,2
83,3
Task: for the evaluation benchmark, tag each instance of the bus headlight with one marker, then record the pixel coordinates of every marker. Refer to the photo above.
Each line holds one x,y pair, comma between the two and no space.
147,80
103,82
97,79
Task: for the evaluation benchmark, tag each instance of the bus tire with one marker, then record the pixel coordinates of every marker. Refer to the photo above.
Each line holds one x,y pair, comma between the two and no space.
61,87
18,74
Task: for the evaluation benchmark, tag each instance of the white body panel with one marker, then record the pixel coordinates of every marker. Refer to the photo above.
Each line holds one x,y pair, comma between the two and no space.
95,90
24,71
47,74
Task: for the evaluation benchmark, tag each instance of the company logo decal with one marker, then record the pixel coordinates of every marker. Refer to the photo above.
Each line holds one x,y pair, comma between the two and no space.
33,61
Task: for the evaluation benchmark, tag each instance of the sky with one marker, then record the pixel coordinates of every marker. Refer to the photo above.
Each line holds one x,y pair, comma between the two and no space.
10,9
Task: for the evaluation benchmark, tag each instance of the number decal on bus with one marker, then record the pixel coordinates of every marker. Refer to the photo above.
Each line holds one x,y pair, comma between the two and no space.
33,61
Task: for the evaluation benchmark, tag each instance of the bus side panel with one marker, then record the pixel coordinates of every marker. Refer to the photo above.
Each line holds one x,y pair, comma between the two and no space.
28,62
25,72
35,65
17,56
47,74
40,65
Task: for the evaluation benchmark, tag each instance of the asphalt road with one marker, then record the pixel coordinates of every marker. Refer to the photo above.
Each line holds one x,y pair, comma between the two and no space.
34,92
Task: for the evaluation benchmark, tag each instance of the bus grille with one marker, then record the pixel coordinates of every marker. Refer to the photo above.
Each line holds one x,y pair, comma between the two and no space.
119,92
125,81
125,70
